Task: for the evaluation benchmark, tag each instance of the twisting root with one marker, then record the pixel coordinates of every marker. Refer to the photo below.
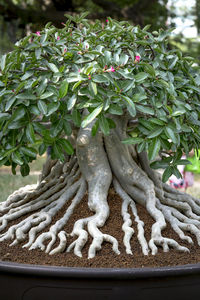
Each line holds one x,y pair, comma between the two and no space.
138,185
96,170
56,228
98,162
127,201
50,202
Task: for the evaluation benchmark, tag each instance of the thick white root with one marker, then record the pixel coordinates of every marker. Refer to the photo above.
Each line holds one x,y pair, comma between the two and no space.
52,234
127,221
99,161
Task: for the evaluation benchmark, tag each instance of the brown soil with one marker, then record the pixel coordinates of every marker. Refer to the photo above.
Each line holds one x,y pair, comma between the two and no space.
106,258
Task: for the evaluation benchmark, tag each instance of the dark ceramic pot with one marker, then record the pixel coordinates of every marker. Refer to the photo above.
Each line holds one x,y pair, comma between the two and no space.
34,282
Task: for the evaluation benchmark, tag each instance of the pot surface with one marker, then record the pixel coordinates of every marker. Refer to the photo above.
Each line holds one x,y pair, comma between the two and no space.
32,282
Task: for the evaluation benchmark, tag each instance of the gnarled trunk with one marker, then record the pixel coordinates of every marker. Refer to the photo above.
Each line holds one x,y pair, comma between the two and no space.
99,161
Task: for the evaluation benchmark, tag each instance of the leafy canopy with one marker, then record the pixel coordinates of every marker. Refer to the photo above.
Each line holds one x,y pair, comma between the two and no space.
108,68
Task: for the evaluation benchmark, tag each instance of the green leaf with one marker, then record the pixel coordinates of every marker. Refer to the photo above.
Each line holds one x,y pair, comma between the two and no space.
17,124
20,86
3,61
141,147
104,125
76,117
42,107
178,112
71,102
155,133
63,89
107,55
141,76
159,164
4,116
52,67
66,146
127,85
28,151
26,96
89,118
30,133
123,59
145,109
58,153
24,170
76,85
154,147
149,69
38,52
167,173
10,102
139,97
93,87
133,141
99,78
18,114
130,106
95,128
115,109
176,172
42,149
3,161
163,83
52,107
56,128
67,127
46,95
34,110
170,134
157,121
27,75
7,153
17,158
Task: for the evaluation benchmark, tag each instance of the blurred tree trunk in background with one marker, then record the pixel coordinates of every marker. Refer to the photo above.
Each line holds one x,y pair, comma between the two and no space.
198,15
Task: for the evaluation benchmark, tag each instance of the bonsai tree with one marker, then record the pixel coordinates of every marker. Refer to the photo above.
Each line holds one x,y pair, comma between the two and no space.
111,103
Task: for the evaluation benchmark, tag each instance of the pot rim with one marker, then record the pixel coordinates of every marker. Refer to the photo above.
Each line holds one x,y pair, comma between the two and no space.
98,273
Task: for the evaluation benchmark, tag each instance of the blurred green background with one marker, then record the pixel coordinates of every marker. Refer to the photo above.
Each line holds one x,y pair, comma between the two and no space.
20,17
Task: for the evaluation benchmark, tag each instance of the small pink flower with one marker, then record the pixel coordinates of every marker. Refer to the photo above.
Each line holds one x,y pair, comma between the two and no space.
65,50
89,76
137,58
58,38
38,33
63,23
111,69
79,70
107,21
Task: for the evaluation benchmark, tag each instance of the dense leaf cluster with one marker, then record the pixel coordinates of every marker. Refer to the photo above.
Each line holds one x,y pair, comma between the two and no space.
113,68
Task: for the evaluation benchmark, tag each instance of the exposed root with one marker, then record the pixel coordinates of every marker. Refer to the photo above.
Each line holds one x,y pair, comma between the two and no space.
128,230
140,186
98,162
56,228
82,238
96,170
